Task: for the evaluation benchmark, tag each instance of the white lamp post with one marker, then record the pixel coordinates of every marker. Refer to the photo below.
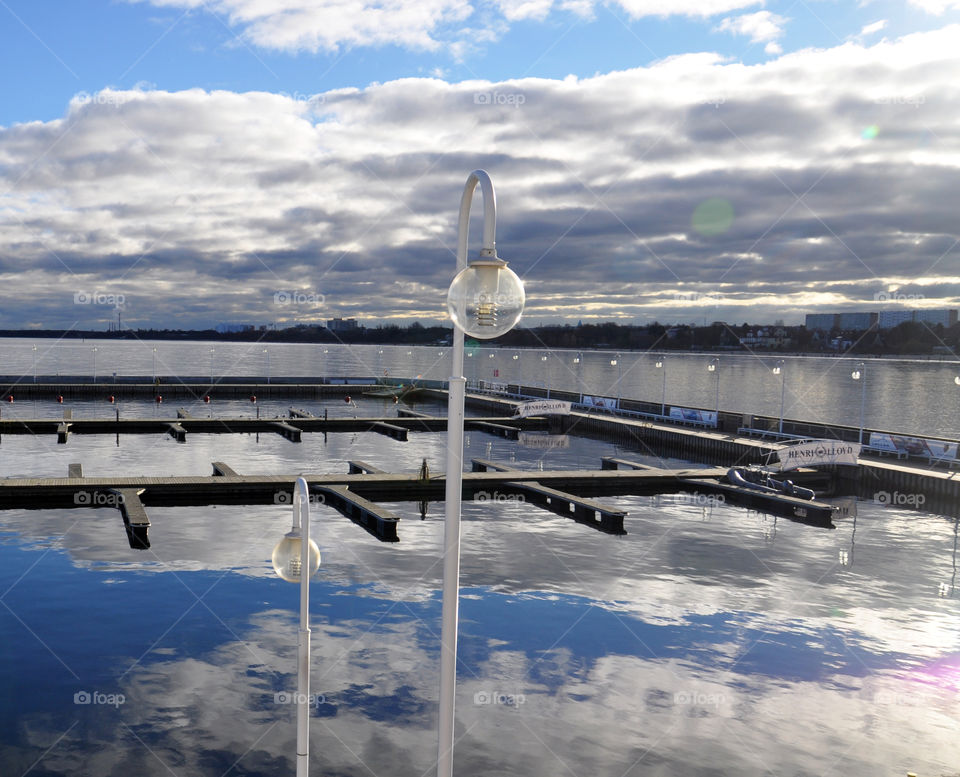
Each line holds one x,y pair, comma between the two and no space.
212,351
661,364
578,360
485,300
154,364
34,364
289,558
516,358
860,373
266,352
778,370
616,363
546,372
94,364
712,367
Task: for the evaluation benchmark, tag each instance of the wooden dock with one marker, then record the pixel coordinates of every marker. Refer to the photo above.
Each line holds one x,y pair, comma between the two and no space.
599,516
291,428
354,495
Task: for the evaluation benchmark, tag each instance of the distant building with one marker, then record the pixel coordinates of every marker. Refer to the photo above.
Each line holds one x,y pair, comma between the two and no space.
934,317
858,322
766,337
885,319
821,321
342,324
891,318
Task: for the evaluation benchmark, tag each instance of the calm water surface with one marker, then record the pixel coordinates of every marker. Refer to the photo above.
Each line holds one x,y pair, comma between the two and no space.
912,397
709,640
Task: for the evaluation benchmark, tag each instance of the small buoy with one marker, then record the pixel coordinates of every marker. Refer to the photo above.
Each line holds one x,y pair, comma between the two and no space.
345,399
60,399
10,398
159,399
111,398
253,398
207,399
396,399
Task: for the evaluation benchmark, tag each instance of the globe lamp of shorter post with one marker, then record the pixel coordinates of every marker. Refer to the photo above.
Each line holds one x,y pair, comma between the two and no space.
287,553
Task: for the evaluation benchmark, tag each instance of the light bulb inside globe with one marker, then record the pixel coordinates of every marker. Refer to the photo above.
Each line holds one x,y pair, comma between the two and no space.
286,557
855,374
486,299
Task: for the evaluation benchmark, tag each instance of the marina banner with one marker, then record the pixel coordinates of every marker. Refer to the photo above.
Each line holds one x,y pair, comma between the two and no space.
606,403
913,446
691,414
543,407
818,452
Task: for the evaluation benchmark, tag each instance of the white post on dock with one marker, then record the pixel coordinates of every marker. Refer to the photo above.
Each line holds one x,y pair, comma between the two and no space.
485,300
661,364
713,367
778,370
860,373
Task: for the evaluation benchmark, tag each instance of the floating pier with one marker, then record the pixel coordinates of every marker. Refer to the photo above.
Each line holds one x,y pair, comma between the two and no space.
586,511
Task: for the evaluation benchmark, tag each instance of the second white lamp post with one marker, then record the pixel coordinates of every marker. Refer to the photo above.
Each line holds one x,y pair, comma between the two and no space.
294,553
485,300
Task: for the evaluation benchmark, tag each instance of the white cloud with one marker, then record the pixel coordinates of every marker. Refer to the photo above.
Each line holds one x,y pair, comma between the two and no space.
701,8
214,200
936,7
312,25
869,29
760,27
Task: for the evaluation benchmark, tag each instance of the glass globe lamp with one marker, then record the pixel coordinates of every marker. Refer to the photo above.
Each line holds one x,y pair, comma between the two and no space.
486,299
286,557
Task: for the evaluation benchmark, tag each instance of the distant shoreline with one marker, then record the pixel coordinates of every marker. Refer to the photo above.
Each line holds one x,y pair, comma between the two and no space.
369,337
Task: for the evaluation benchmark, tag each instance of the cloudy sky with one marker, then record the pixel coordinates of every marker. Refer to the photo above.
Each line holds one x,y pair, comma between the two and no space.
207,161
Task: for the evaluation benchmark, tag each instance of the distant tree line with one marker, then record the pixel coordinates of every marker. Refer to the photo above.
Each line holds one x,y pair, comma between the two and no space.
907,338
